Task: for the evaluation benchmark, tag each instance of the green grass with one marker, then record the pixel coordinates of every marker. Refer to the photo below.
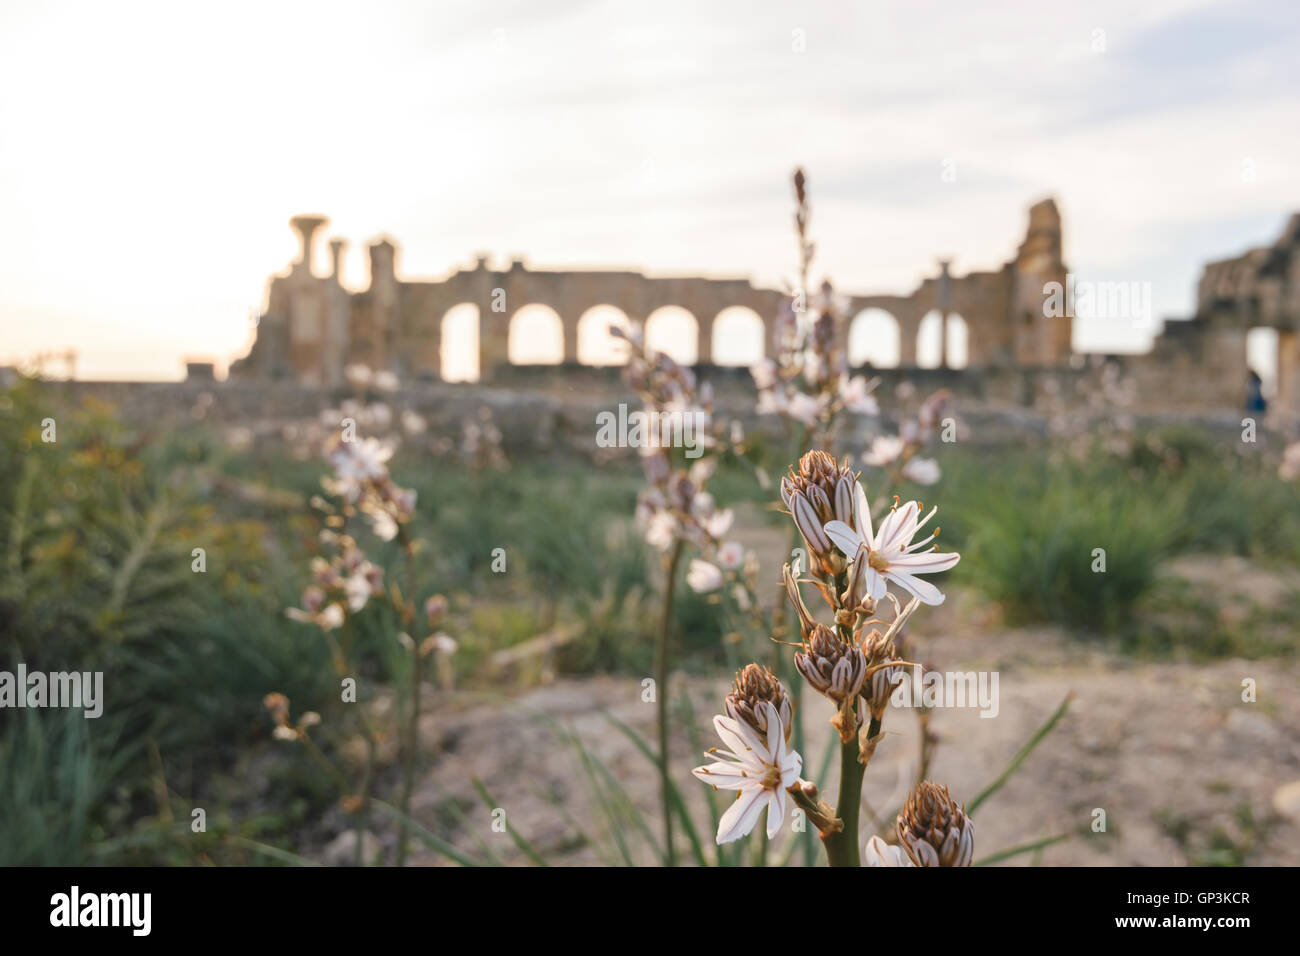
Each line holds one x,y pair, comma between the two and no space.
97,532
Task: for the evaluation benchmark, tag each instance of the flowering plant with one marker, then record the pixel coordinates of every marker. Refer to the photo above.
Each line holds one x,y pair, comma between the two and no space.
853,661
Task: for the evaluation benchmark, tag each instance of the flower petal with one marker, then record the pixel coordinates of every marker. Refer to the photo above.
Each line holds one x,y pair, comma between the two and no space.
775,812
861,511
897,529
726,776
740,740
926,562
875,584
845,538
809,524
924,590
741,815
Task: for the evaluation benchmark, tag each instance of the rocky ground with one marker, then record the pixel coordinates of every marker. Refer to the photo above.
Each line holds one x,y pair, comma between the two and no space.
1185,771
1167,754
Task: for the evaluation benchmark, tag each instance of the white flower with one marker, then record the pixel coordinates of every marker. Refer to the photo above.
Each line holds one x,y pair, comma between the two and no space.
386,381
357,462
703,576
719,523
731,555
1290,467
856,395
331,617
884,450
923,471
880,853
772,402
358,375
804,408
760,770
413,423
765,374
358,590
815,368
383,521
661,530
702,471
889,553
378,416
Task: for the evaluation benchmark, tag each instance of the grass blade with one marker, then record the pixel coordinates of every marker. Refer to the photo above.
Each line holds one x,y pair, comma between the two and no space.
1021,756
427,837
674,794
1023,848
524,846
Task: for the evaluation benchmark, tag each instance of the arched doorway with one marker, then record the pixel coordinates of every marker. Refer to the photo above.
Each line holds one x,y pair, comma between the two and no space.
460,343
929,340
958,341
535,337
595,345
737,336
674,331
1262,358
875,339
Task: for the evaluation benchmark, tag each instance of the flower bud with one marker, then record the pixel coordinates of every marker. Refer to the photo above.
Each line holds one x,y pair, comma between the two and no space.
833,667
752,686
933,830
880,684
818,492
434,608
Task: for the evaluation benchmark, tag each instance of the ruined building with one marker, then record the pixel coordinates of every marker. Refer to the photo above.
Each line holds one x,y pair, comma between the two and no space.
313,327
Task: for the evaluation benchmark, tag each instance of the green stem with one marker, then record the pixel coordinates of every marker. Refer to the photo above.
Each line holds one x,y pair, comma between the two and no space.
661,700
413,728
842,847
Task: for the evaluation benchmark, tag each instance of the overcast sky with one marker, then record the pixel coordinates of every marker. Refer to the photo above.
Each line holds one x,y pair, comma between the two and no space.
152,153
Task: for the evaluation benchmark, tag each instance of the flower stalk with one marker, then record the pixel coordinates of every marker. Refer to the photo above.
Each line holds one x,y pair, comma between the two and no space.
661,698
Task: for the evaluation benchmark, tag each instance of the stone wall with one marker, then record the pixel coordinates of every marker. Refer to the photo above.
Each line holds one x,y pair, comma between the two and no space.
313,328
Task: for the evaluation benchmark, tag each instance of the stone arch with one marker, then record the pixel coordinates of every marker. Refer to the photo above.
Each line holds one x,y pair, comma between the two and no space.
425,359
460,335
1262,357
738,337
929,340
535,336
875,339
673,330
595,345
958,351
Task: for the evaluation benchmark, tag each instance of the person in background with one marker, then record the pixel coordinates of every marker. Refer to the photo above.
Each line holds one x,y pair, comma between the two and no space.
1255,401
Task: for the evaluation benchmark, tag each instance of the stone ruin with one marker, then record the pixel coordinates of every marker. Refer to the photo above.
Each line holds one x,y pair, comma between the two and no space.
314,327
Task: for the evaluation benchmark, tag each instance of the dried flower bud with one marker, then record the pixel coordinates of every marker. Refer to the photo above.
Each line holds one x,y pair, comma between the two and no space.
933,830
857,595
820,491
834,668
880,684
278,705
434,608
752,686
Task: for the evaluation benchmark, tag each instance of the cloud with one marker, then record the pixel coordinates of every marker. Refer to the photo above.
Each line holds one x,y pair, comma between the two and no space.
153,153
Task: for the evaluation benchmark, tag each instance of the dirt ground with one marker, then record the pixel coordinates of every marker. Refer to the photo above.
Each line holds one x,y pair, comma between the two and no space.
1185,770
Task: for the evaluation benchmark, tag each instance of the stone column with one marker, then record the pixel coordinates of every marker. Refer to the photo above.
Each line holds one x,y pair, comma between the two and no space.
945,306
704,340
306,227
909,324
1287,400
336,259
383,303
570,325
